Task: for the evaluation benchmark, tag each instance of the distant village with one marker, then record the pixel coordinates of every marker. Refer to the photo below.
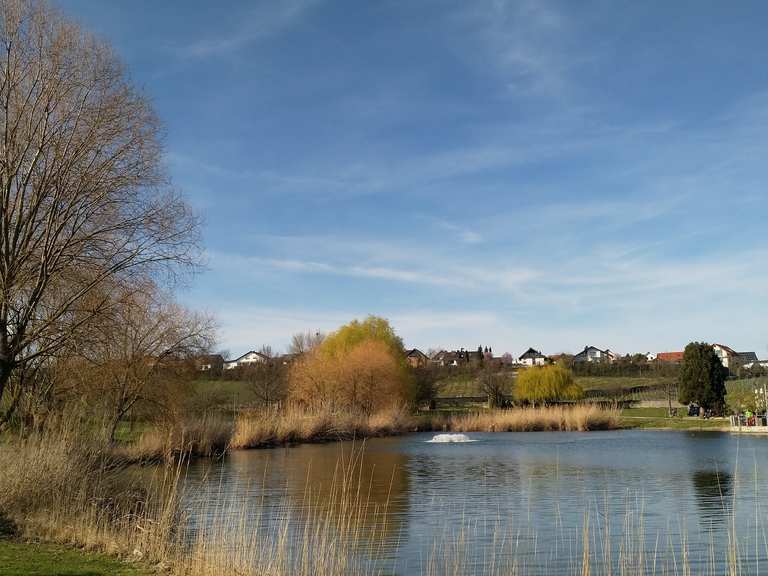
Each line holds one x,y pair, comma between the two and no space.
730,358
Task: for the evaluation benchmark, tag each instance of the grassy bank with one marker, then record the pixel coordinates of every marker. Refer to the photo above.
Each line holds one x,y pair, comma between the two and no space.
37,559
657,419
604,388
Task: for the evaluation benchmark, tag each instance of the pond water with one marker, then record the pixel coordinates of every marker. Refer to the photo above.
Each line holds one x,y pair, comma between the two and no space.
535,503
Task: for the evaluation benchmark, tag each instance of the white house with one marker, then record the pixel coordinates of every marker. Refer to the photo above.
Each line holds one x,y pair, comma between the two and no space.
532,357
725,354
251,357
731,359
592,354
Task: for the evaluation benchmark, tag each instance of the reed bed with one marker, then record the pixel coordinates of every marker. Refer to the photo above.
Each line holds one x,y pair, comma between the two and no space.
206,436
292,424
271,427
580,418
63,484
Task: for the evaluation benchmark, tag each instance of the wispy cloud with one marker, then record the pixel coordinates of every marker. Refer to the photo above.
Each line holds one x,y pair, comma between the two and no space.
604,298
463,233
453,276
265,20
529,42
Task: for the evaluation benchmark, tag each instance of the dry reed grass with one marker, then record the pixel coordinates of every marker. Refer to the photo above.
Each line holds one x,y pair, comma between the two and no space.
208,435
64,484
291,424
578,418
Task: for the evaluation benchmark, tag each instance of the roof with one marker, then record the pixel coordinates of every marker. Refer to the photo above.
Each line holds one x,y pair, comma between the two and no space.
246,354
729,351
670,356
747,357
415,352
532,353
588,348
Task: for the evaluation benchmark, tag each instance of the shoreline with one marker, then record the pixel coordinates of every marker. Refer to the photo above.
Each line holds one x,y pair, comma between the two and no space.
324,429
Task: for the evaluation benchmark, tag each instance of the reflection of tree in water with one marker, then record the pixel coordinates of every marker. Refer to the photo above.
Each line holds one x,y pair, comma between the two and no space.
712,489
359,492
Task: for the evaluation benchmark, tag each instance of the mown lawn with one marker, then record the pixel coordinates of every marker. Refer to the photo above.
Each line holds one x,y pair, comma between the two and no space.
657,418
647,412
677,423
31,559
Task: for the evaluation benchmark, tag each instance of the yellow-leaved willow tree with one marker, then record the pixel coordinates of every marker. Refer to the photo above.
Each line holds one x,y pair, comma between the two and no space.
545,384
361,367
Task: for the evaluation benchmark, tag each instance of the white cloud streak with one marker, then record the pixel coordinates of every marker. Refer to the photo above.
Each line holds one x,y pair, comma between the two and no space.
265,20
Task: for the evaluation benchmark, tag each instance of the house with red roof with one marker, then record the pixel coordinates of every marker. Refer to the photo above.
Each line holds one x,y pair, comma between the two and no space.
670,357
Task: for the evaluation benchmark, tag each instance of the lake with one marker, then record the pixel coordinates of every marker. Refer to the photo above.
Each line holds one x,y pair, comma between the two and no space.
535,503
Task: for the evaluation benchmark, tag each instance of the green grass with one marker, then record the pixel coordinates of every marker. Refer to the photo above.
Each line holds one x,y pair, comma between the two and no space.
676,423
462,385
130,431
223,394
31,559
612,384
459,385
657,418
468,385
647,412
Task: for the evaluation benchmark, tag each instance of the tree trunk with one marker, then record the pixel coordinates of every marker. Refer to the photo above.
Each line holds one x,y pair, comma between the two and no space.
113,428
6,369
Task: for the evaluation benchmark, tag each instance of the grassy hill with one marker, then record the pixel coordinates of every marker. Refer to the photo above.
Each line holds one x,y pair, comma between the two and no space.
597,387
226,394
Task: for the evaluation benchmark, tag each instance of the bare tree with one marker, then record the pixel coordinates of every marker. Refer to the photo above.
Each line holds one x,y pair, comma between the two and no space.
139,348
304,342
84,203
494,386
268,380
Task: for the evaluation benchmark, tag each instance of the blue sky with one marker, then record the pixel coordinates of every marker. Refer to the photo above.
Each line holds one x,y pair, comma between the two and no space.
513,174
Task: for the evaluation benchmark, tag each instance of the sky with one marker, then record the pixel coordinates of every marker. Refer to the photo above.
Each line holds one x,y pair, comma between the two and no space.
495,173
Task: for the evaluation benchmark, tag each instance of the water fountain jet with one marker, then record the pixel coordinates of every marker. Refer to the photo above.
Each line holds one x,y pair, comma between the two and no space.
450,438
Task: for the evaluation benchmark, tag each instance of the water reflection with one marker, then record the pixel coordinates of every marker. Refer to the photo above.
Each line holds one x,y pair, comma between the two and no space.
712,489
359,492
638,491
371,483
